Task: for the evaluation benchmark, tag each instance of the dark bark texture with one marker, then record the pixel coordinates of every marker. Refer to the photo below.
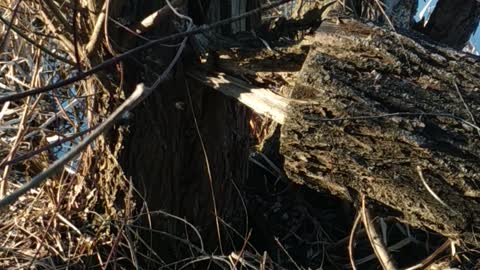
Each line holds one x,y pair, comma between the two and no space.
361,73
163,152
400,13
453,22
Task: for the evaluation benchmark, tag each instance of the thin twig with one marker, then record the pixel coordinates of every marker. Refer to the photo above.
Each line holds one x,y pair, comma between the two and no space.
204,150
9,26
44,148
58,14
114,247
434,195
430,259
209,172
286,252
140,93
466,106
44,49
351,240
18,138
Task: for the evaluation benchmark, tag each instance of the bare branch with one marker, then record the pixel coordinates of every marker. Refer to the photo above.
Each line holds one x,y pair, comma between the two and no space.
34,43
97,30
45,148
58,14
140,93
67,43
129,104
75,35
9,26
124,55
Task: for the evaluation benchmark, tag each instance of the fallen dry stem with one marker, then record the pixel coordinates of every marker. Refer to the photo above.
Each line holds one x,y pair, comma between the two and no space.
378,247
351,240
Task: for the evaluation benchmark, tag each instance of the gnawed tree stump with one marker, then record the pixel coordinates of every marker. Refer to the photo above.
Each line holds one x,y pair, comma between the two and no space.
401,102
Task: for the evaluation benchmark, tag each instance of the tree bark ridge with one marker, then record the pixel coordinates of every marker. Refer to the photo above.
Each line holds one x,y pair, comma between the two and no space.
368,77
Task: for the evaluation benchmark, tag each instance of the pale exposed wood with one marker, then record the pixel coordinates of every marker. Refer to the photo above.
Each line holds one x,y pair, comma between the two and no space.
97,31
378,246
157,17
260,100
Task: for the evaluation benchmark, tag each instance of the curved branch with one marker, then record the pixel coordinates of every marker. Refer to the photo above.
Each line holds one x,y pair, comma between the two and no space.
97,30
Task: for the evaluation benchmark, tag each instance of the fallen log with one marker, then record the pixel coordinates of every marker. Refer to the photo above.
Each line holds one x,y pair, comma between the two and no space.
381,114
391,118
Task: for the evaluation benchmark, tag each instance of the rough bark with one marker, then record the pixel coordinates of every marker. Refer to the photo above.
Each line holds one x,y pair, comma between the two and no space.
163,153
164,157
362,74
453,22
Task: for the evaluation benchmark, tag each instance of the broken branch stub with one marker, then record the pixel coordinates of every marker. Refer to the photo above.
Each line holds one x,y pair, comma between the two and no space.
386,105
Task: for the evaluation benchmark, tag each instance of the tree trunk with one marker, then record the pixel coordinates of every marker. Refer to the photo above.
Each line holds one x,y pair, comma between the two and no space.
453,22
174,168
388,116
